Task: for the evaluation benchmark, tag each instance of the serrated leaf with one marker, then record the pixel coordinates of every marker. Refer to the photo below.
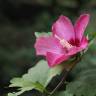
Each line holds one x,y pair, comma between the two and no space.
36,86
38,73
37,77
25,85
42,73
20,82
34,79
39,34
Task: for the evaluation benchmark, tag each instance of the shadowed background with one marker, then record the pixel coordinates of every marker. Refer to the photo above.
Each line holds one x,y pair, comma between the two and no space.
19,19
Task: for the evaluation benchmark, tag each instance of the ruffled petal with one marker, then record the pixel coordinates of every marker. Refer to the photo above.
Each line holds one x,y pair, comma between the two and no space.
47,44
63,28
81,25
55,59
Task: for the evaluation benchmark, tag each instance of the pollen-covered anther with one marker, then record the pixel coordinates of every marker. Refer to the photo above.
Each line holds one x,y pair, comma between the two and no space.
64,43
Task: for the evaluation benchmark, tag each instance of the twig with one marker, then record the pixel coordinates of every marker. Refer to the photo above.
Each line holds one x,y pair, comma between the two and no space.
60,83
66,71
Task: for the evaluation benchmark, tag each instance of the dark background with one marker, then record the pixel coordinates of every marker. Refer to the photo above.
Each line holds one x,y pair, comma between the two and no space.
19,19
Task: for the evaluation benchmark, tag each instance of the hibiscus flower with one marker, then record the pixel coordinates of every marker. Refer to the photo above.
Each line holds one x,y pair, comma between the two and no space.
66,40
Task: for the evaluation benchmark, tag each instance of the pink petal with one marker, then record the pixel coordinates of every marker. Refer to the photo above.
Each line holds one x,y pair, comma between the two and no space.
47,44
74,51
63,28
84,43
81,25
55,59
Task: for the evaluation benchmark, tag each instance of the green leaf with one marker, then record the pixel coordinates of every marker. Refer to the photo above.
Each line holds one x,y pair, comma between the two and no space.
25,85
63,93
11,94
92,41
84,85
84,78
39,34
37,73
54,71
38,77
34,79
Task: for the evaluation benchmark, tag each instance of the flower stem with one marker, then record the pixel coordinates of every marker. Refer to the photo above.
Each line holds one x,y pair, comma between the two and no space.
60,83
65,73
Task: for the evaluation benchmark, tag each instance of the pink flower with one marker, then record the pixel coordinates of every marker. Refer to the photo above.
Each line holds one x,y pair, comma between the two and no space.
66,40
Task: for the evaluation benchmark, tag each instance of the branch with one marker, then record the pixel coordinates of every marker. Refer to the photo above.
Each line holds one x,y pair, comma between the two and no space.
66,71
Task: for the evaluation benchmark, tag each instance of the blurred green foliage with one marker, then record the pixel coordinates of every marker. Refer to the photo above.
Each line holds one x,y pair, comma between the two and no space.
19,19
